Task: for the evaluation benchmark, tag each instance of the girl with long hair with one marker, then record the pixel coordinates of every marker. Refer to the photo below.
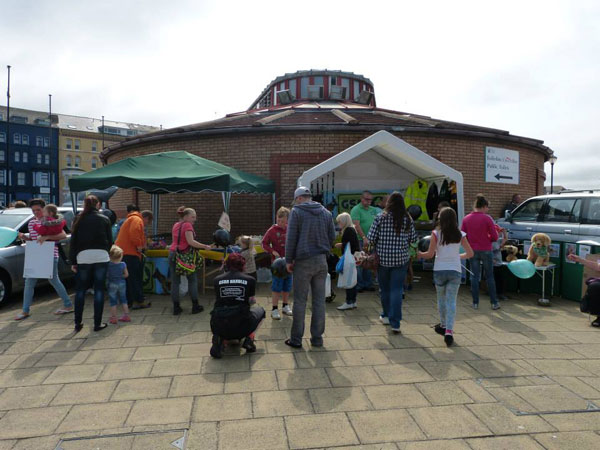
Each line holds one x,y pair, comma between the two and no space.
91,241
445,244
390,235
349,236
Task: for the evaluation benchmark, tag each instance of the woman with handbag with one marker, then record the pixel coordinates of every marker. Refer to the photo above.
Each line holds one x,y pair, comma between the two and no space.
591,300
349,236
183,260
390,235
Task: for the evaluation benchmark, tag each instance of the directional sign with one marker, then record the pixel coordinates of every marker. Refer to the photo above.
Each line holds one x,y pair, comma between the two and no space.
501,165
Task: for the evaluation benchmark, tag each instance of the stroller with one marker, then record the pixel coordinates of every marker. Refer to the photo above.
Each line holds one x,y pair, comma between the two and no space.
332,261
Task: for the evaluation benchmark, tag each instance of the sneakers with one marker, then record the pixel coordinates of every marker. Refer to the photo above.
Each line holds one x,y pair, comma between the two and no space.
345,306
249,345
396,330
177,309
495,306
449,339
475,305
216,350
113,320
439,329
22,316
124,318
384,320
287,310
275,315
196,308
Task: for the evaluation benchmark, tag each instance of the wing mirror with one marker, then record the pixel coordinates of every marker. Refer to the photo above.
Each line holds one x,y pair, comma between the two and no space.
508,215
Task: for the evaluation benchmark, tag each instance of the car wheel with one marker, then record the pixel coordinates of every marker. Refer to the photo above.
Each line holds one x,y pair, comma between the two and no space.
5,286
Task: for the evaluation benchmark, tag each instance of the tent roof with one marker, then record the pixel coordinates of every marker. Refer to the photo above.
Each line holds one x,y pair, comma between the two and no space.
166,172
389,157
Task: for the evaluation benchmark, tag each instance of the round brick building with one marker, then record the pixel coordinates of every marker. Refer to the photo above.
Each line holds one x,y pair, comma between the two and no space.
302,119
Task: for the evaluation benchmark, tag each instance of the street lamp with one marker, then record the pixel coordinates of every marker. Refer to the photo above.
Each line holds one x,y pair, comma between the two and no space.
552,160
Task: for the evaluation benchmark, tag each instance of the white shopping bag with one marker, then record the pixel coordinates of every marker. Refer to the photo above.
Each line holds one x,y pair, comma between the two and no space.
348,278
328,286
183,285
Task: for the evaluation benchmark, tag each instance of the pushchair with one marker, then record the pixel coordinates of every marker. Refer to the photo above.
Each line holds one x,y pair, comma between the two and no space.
332,261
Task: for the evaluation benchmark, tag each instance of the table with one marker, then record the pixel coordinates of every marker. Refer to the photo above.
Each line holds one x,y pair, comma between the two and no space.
543,269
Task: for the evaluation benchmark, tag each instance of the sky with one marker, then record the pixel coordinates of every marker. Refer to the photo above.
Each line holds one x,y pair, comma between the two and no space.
528,67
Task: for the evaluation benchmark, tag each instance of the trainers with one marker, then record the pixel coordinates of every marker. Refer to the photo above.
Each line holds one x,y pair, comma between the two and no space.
475,305
448,339
275,315
216,351
249,345
396,330
287,310
495,306
196,308
345,306
439,329
384,320
125,318
177,309
113,320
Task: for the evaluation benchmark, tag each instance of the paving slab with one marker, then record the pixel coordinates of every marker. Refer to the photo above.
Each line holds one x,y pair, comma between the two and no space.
385,426
502,421
254,434
353,376
27,397
124,370
222,407
180,366
160,411
589,421
584,440
75,374
281,403
449,422
23,377
250,381
395,396
440,393
302,378
203,384
92,392
339,399
319,430
505,443
402,373
95,416
142,389
446,444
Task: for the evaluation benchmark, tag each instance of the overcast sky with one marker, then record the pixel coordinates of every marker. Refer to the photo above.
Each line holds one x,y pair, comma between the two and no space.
529,67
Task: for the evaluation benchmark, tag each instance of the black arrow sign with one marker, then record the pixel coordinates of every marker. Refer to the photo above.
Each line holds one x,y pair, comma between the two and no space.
498,177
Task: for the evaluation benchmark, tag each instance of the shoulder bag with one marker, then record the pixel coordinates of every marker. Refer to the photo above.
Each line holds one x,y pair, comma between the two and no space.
188,261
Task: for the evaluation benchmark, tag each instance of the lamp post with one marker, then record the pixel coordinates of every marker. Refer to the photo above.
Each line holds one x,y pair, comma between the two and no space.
7,179
552,160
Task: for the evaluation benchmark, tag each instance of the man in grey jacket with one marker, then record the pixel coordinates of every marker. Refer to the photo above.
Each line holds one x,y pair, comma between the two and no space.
310,236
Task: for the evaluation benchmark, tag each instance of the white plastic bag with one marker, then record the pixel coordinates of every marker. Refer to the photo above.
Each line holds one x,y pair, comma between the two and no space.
328,286
348,278
264,275
183,285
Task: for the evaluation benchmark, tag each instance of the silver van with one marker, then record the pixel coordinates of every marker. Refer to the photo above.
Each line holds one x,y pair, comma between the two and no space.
569,216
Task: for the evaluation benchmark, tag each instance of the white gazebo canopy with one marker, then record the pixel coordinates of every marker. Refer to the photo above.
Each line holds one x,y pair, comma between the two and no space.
383,162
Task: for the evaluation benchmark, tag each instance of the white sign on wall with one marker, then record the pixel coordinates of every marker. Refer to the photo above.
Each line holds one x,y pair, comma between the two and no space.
501,165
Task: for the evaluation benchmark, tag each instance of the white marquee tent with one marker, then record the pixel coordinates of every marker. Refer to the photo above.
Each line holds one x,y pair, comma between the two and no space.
383,162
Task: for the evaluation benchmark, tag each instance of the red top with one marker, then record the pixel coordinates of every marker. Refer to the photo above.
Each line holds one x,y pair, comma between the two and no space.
481,231
50,227
274,241
183,244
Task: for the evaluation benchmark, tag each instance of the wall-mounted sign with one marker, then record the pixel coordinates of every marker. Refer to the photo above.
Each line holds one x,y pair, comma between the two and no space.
501,165
44,190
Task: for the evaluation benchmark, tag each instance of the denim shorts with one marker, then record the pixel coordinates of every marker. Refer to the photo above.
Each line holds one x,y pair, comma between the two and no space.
281,284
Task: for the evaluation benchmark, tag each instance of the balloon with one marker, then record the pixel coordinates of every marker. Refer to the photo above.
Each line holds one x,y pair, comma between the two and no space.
522,268
279,268
222,237
7,236
423,244
414,211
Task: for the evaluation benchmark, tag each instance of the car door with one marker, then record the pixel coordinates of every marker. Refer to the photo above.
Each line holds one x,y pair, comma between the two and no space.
560,219
524,220
589,230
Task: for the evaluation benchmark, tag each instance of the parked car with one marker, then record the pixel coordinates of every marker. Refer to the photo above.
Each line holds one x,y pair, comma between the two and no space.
570,216
12,256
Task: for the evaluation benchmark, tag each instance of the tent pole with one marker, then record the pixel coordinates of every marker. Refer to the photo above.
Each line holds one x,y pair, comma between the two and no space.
155,209
74,202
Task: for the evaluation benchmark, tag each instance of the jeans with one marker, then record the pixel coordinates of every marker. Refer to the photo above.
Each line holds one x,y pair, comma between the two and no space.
176,279
309,273
88,275
482,257
447,283
391,285
135,279
117,292
351,295
56,284
364,276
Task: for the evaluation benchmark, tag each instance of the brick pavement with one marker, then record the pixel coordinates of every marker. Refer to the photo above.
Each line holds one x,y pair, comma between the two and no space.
517,378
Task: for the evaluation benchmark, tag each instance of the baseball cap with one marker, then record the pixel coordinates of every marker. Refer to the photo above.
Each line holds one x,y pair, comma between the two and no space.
301,191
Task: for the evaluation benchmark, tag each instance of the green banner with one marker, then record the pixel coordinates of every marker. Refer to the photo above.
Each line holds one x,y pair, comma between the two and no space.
348,201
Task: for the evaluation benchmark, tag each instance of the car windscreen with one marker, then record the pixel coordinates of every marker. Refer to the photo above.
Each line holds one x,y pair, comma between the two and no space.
12,220
528,211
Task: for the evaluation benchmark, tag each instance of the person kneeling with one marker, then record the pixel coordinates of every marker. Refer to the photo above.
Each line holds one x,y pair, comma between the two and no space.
233,317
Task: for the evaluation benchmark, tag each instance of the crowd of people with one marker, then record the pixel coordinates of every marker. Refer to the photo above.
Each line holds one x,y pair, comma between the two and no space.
300,242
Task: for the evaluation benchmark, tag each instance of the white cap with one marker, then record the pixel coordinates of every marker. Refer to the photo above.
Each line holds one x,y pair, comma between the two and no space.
301,191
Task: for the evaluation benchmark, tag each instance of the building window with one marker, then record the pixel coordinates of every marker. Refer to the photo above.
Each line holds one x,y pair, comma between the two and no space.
77,144
46,142
41,179
94,146
21,178
3,177
45,197
68,160
2,155
47,158
39,158
25,139
94,163
25,158
17,157
39,141
16,138
2,137
69,144
77,161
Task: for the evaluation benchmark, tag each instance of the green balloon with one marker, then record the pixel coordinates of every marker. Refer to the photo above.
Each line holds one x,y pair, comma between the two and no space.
522,268
7,236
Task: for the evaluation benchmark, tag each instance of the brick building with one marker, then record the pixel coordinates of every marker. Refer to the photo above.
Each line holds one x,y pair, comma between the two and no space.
300,120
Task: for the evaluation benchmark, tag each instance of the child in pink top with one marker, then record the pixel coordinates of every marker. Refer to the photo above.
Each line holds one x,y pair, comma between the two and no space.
481,232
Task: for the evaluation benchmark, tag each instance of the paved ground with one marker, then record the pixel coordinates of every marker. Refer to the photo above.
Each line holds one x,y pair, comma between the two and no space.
503,385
